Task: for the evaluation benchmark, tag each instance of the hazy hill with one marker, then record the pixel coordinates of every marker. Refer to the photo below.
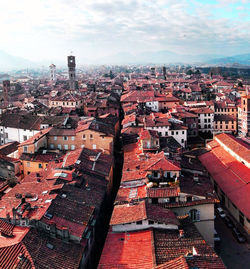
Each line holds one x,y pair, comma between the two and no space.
240,59
8,62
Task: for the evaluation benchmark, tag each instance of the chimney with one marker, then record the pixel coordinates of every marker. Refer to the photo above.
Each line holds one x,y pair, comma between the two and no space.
196,177
14,215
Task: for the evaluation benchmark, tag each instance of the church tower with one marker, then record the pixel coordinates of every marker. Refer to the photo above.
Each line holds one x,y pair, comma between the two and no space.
52,68
72,72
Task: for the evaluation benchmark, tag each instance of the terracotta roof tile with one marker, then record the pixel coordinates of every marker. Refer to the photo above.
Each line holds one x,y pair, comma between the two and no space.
232,176
163,192
141,211
128,251
16,256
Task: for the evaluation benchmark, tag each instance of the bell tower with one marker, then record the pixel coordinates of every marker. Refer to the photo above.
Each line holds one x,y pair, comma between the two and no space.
52,68
72,72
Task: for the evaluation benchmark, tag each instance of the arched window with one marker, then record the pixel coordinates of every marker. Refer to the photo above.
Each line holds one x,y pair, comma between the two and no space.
194,214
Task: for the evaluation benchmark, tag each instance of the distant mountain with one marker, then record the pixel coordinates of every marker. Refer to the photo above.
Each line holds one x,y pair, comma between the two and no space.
157,57
8,62
239,59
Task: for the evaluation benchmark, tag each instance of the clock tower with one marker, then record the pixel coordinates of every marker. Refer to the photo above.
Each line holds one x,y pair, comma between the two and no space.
72,72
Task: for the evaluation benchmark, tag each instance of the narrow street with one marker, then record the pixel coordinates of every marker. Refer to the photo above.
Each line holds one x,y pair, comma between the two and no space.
233,254
101,232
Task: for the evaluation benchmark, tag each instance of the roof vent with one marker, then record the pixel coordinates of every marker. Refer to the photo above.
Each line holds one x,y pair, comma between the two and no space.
50,246
47,215
64,195
18,195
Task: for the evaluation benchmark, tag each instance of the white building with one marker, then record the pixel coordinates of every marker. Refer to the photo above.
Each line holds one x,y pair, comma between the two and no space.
205,119
14,127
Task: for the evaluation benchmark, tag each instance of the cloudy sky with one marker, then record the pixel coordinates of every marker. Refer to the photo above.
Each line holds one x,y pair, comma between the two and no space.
49,29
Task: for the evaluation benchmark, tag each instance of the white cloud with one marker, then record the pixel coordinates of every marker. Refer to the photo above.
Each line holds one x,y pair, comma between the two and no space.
50,29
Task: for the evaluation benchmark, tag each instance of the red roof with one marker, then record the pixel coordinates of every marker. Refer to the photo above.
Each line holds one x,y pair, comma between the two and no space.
128,194
16,256
241,149
232,176
132,250
178,263
128,213
163,192
147,134
35,137
6,228
133,175
164,165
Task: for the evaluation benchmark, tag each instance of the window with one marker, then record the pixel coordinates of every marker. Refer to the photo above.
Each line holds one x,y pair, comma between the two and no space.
84,137
139,222
73,147
52,146
91,136
183,132
182,140
40,165
65,138
94,146
66,147
6,135
151,222
189,199
25,149
59,146
172,200
24,137
55,137
194,214
177,132
155,174
28,164
172,133
72,138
